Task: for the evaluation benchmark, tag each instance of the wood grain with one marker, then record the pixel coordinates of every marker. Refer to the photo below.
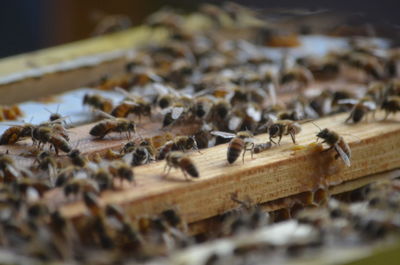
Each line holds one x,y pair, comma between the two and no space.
277,173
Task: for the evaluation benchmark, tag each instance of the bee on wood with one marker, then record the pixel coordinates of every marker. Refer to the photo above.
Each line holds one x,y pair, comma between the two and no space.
281,128
179,143
77,158
391,105
122,171
15,133
46,162
98,102
135,105
112,124
361,108
185,164
76,186
367,63
59,143
241,141
335,141
377,91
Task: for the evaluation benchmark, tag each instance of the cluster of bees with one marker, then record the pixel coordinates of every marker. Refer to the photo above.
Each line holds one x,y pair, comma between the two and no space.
225,87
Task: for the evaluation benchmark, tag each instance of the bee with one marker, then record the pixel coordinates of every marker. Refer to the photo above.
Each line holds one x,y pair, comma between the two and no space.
134,105
241,141
258,148
8,168
367,63
77,158
220,110
335,141
179,143
112,124
129,147
376,91
140,156
40,186
361,108
103,178
280,128
59,143
173,113
201,107
46,162
64,176
122,171
300,75
75,186
391,105
15,133
97,101
181,161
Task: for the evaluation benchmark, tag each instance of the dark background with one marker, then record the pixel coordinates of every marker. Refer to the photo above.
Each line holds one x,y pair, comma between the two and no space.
27,25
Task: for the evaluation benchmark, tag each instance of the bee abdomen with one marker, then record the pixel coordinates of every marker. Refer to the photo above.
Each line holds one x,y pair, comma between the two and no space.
97,130
234,149
187,165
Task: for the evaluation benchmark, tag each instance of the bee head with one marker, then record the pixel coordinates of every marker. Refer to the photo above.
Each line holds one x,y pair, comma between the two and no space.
323,133
74,153
274,130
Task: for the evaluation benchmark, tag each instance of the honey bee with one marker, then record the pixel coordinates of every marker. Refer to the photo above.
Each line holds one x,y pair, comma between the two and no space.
301,75
40,186
103,178
281,128
376,90
15,133
122,171
59,143
173,113
361,108
46,162
97,101
77,158
8,168
201,107
391,105
134,105
179,143
64,176
181,161
335,141
76,186
112,124
367,63
141,155
241,141
220,110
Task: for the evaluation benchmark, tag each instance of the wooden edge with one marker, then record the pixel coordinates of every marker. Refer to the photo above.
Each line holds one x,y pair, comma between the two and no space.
274,174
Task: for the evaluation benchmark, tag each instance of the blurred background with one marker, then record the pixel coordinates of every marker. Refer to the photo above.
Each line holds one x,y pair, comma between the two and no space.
27,25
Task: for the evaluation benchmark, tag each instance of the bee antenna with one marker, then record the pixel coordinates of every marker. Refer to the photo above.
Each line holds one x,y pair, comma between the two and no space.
316,125
49,111
355,136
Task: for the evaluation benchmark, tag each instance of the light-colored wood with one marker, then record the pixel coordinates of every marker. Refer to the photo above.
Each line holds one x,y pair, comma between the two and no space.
277,173
55,70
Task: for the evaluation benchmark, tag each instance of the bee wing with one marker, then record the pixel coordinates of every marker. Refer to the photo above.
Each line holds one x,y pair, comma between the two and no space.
128,102
124,92
272,93
13,170
254,113
343,155
370,105
234,123
350,101
177,112
104,114
223,134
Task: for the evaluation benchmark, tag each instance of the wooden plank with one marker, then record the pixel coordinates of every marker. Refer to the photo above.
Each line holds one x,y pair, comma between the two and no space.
274,174
55,70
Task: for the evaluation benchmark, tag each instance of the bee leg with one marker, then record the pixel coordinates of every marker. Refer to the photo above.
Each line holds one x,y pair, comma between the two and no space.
386,115
244,152
349,118
293,136
272,141
251,149
280,138
185,175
